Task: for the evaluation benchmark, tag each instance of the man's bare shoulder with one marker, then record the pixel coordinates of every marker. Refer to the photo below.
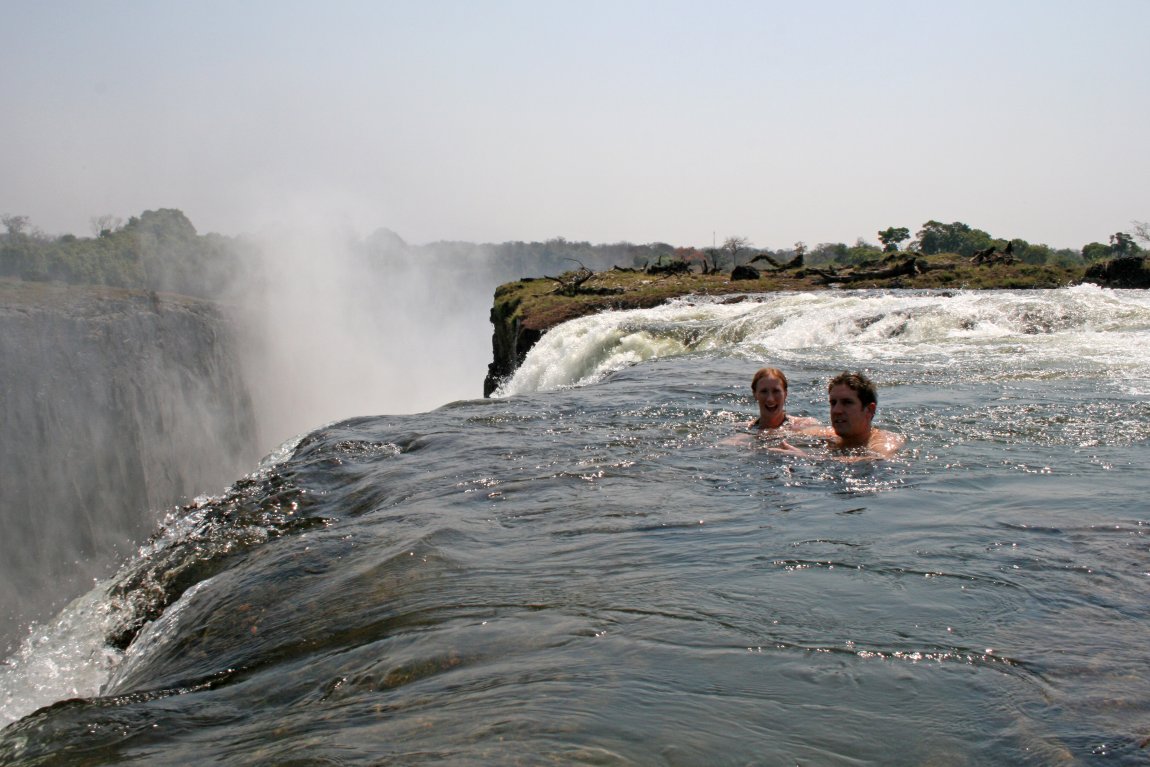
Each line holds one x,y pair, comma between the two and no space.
880,444
817,430
802,423
885,443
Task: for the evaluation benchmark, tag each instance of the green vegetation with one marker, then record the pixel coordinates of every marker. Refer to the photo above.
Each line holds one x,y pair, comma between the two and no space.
890,238
159,250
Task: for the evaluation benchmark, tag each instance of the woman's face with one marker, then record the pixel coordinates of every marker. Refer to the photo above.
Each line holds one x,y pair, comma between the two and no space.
771,395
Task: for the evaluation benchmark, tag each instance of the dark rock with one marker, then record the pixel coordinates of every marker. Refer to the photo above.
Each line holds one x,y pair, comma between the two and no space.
671,267
744,272
1121,272
510,343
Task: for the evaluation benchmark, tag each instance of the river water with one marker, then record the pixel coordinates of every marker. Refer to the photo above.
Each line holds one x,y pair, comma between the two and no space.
588,569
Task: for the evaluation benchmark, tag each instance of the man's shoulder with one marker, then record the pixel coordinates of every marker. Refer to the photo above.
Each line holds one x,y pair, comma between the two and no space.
803,422
885,442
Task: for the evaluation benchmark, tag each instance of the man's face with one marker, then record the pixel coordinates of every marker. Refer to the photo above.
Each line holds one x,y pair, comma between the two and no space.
849,419
770,394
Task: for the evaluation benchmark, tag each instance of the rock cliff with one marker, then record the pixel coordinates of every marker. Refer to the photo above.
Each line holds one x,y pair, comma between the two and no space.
114,405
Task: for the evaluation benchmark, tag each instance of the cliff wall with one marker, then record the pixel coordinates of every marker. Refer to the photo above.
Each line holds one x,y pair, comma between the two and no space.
114,406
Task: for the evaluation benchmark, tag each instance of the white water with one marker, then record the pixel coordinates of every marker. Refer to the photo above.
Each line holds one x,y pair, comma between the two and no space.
1080,330
67,657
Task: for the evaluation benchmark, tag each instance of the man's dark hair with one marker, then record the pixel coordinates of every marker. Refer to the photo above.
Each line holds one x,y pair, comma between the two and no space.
859,384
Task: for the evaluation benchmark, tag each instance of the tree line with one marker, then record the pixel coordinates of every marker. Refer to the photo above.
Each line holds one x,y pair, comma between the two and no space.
161,250
158,250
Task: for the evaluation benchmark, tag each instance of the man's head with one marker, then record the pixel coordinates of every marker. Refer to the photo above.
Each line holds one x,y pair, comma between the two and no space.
859,384
853,401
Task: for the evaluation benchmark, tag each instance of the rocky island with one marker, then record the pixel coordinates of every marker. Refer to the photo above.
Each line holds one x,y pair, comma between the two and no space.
524,310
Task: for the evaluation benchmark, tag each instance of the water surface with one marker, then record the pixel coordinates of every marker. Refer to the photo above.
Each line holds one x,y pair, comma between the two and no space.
586,569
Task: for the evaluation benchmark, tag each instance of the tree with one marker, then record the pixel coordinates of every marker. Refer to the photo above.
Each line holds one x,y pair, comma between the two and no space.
957,237
890,238
861,253
1025,252
104,225
1063,257
826,253
1095,251
16,225
692,256
1122,244
1142,231
733,245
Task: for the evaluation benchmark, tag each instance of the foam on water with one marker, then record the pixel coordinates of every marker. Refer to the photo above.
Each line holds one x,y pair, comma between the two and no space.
1068,329
66,658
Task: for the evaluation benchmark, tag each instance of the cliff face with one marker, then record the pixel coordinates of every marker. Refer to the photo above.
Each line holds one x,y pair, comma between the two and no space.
114,406
509,343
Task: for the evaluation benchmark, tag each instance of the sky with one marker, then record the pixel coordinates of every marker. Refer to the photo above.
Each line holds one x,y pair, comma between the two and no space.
604,121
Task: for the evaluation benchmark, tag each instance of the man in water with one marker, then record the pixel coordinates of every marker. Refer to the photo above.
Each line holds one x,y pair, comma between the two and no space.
853,401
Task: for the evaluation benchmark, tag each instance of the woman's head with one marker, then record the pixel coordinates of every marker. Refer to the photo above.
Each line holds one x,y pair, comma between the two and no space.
762,373
769,387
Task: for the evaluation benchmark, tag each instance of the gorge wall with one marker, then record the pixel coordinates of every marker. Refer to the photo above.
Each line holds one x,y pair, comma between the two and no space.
115,406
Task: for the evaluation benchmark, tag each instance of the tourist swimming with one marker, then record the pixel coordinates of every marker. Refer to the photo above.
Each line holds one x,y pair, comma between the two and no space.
853,400
769,386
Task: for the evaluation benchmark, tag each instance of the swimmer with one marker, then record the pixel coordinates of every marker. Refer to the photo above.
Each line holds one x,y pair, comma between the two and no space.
853,400
769,386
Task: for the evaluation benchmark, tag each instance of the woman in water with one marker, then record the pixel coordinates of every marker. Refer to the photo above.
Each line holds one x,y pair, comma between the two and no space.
769,386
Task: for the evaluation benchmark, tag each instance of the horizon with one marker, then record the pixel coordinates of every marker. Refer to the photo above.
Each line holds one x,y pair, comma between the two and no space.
637,122
575,241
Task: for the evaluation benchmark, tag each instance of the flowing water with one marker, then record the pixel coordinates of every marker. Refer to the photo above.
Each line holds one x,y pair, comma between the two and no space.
593,568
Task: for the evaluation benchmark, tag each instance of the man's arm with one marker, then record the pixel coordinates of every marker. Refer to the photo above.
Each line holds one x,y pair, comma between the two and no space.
882,444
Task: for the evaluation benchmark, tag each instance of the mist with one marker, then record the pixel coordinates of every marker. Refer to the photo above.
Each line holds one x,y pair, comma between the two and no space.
116,406
122,406
333,325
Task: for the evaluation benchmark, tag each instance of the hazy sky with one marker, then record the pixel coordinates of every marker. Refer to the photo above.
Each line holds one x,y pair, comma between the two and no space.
601,121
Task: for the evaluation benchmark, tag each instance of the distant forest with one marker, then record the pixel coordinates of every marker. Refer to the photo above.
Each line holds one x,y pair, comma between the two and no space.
160,250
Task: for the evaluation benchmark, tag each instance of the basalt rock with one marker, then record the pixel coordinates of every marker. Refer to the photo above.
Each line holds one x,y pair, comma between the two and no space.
1121,272
510,342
